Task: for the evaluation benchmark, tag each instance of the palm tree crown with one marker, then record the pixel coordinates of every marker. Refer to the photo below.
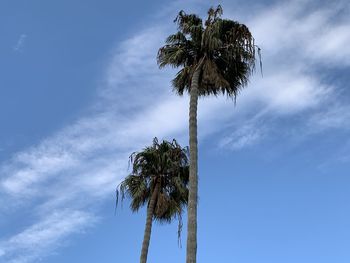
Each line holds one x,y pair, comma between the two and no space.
165,163
159,178
224,49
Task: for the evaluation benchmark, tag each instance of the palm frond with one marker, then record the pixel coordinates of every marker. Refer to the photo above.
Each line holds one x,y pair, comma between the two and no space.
190,24
226,46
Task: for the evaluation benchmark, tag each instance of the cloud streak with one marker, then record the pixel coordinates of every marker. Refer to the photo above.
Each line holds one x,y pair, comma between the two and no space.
88,158
300,44
20,43
29,244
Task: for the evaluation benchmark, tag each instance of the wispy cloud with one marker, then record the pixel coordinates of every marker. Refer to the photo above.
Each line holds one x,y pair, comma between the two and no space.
89,157
334,117
300,42
30,244
305,31
242,138
20,43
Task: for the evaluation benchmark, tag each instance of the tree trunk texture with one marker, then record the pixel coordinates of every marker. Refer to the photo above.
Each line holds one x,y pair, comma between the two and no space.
148,227
193,178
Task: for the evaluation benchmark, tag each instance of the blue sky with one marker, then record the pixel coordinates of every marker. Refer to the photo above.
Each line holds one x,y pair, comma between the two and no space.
80,91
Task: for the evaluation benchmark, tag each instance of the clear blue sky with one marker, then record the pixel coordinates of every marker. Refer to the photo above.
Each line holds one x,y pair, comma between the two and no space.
80,91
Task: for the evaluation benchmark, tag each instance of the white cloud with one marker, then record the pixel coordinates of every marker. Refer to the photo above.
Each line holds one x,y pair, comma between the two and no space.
90,157
290,91
305,31
39,166
298,39
20,43
242,138
336,116
29,244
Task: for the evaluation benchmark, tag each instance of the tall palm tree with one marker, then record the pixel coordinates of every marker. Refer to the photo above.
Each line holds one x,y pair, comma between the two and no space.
215,57
159,179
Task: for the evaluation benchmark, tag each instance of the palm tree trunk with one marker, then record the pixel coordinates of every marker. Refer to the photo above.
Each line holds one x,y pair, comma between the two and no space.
148,227
193,178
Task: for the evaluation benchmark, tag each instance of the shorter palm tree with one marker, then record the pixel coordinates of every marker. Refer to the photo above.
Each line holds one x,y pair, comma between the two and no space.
159,179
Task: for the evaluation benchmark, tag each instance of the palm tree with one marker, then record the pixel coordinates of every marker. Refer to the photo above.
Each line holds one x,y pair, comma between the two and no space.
159,178
215,57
